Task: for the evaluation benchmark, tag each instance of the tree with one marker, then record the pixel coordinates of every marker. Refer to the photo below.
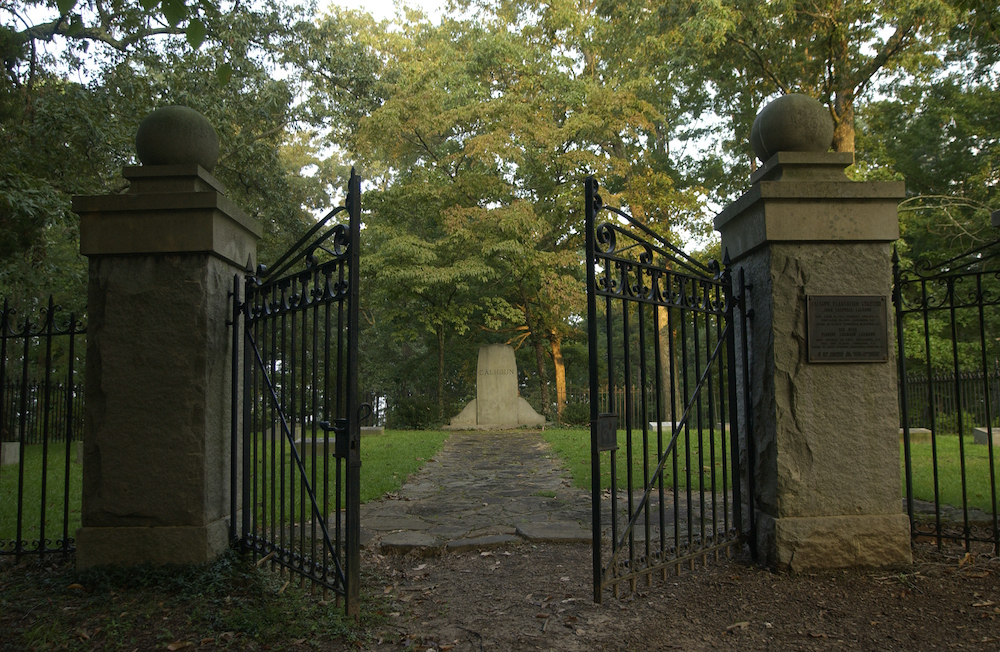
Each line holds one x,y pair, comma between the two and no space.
120,25
63,138
833,50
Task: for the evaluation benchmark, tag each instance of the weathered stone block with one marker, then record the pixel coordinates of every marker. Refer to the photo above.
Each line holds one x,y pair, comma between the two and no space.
497,404
129,546
917,436
10,452
828,542
496,386
982,436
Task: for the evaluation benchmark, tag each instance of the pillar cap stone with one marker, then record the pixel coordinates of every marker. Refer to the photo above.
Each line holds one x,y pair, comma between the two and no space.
791,123
177,135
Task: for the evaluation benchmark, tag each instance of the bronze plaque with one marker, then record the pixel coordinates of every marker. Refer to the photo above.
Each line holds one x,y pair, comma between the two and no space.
847,328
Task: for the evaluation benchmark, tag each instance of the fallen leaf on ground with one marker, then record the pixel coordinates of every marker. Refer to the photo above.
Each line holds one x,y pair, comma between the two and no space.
740,625
75,587
179,645
987,603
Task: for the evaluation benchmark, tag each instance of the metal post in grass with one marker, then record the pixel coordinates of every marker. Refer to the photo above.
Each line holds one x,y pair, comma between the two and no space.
156,459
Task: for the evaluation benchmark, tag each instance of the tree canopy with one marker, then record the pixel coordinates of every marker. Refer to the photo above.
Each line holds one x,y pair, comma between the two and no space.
474,132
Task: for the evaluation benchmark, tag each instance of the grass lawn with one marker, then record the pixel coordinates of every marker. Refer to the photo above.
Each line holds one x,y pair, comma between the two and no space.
977,472
386,461
31,498
573,446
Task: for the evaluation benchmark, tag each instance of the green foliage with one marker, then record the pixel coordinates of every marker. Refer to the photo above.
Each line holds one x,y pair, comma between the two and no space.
413,412
84,132
942,139
576,414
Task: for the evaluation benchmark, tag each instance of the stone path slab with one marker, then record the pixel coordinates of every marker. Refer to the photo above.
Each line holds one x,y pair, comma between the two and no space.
476,493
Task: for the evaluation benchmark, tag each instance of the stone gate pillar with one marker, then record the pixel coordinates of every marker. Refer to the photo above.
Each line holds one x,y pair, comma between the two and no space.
815,248
156,462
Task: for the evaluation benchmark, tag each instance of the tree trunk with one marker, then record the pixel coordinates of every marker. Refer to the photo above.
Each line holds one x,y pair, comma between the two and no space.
843,132
666,337
555,341
543,373
440,387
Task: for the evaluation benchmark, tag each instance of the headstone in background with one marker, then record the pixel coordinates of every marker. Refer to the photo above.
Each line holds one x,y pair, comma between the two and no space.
496,385
497,403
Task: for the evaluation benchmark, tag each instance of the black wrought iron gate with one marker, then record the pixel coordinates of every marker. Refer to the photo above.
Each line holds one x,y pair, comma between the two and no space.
947,327
296,432
661,330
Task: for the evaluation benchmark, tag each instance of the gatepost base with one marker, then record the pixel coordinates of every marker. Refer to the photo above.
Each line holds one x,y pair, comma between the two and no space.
132,546
828,542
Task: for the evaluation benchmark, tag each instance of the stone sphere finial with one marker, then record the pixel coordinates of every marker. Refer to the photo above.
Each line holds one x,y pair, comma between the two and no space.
174,135
791,123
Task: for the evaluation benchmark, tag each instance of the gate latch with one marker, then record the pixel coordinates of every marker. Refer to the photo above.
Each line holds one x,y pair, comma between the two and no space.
606,429
341,439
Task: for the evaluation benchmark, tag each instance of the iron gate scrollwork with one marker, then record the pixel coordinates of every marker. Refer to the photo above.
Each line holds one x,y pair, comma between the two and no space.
296,412
658,319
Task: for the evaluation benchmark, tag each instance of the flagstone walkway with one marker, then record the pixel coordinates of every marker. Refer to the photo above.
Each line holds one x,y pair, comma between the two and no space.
483,489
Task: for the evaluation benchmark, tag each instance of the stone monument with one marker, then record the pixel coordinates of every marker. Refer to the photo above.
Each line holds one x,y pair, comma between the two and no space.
814,248
497,404
156,443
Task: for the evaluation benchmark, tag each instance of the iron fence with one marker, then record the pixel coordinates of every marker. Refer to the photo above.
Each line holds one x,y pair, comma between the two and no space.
937,400
41,415
947,318
43,404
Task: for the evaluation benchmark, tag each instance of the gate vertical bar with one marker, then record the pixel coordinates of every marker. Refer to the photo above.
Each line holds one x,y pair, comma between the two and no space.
734,430
751,445
353,534
595,460
234,406
244,450
904,406
988,416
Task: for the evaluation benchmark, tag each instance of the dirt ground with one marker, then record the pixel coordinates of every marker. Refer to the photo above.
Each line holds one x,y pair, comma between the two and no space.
521,597
539,597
